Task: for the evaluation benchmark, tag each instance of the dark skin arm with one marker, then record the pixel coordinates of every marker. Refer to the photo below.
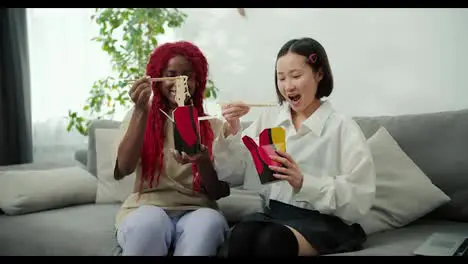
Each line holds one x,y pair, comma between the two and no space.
211,185
214,188
129,149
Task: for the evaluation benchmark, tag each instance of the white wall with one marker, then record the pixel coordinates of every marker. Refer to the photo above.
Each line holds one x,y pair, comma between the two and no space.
385,61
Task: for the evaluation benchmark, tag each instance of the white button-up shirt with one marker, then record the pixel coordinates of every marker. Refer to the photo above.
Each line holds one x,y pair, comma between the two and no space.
330,150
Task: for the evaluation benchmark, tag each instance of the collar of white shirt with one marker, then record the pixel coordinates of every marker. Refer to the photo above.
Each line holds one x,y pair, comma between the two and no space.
314,123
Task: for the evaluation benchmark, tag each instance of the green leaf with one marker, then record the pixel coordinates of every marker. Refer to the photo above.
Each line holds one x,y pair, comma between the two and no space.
70,125
127,36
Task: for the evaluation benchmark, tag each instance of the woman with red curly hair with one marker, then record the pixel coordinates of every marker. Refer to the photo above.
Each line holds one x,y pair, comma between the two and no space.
173,205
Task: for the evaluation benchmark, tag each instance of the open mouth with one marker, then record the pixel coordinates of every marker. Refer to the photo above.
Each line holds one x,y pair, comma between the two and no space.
294,98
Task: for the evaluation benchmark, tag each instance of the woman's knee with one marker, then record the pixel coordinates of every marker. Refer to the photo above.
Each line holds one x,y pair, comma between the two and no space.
207,220
242,239
199,233
276,240
147,223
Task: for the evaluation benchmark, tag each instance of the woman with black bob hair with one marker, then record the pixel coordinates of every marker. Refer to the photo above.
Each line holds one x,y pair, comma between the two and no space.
311,50
326,183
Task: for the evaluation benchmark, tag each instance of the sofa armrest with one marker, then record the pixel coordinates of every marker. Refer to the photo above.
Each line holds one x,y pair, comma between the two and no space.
82,156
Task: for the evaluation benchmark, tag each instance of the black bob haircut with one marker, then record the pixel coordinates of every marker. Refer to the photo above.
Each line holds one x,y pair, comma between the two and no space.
316,57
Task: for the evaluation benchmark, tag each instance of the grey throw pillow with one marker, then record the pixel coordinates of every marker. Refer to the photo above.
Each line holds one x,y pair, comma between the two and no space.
403,192
92,156
28,191
437,143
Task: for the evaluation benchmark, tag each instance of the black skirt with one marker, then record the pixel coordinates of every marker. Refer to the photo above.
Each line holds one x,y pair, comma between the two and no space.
326,233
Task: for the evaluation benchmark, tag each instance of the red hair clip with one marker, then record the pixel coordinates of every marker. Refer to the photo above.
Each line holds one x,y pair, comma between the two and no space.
313,58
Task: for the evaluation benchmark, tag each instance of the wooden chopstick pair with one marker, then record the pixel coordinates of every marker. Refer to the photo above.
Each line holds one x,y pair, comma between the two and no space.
251,105
157,79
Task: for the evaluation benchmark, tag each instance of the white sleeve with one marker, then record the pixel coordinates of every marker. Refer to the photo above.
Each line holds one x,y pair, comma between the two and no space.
231,157
351,194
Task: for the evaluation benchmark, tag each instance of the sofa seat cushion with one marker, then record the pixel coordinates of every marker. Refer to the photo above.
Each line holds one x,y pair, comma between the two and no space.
403,241
88,230
84,230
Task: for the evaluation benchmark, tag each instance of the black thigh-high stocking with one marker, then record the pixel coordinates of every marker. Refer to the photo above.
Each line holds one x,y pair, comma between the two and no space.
276,240
242,239
262,239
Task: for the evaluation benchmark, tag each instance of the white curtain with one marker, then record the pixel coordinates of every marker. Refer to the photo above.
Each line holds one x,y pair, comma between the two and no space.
64,65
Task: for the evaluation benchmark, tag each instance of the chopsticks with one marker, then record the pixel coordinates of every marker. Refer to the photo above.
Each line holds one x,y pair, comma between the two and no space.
251,105
157,79
207,118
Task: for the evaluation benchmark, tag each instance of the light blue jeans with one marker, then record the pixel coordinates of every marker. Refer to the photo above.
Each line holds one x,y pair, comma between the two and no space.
150,231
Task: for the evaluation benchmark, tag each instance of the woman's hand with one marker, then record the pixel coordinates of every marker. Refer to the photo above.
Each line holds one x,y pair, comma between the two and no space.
290,172
232,113
140,93
184,158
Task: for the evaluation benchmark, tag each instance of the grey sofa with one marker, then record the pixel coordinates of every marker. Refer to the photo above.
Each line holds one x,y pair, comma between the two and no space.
436,142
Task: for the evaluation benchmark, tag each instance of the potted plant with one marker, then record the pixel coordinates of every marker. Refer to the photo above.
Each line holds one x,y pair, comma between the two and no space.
128,36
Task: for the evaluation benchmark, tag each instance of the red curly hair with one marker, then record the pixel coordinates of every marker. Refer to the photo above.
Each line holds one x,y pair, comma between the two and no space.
152,155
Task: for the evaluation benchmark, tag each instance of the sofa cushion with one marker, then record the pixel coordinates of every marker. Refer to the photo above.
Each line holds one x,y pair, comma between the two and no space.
83,230
26,191
91,157
403,241
110,190
438,144
403,192
37,166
